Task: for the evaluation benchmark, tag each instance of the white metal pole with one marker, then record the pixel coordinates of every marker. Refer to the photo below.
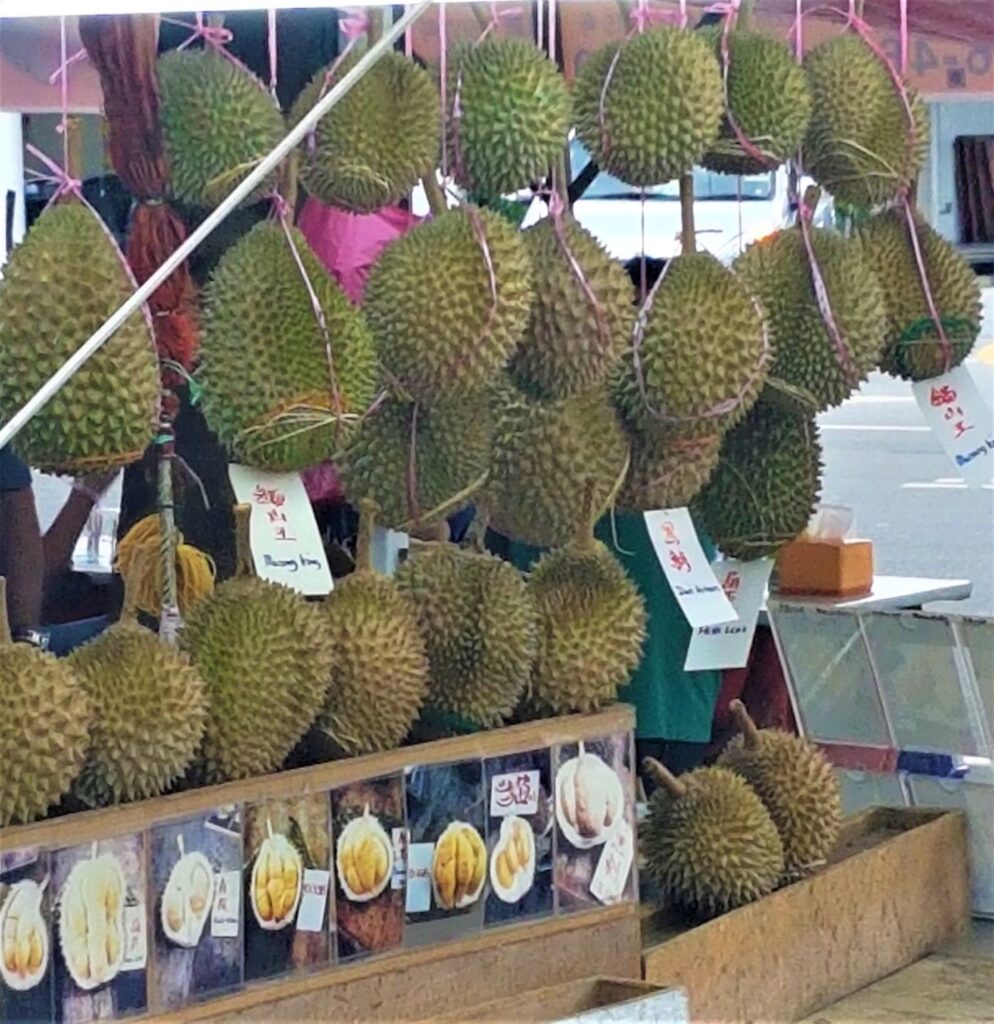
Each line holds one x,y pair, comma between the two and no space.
65,372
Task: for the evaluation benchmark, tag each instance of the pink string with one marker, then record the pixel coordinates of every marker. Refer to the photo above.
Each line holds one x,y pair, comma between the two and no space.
443,74
904,37
63,74
552,30
271,40
65,183
215,36
799,31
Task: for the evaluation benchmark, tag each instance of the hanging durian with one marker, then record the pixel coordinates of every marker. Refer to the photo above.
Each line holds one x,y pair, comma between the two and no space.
265,660
218,122
797,784
708,841
379,670
913,348
44,727
371,148
59,285
650,107
448,303
279,394
668,472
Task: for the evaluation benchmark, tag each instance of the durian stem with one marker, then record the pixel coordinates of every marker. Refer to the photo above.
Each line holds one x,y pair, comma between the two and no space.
288,186
560,178
170,621
364,538
375,31
745,724
243,541
5,636
688,237
665,778
434,195
588,515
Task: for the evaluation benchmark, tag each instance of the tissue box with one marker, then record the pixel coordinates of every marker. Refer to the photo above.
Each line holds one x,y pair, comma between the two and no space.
832,568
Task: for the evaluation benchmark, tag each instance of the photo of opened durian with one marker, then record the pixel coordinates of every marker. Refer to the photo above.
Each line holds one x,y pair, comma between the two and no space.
590,800
24,937
187,899
512,863
364,858
459,867
276,882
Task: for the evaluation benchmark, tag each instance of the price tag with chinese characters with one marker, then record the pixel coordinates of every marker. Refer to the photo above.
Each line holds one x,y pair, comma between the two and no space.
611,876
286,544
419,858
961,419
728,645
313,900
514,793
136,950
225,912
686,568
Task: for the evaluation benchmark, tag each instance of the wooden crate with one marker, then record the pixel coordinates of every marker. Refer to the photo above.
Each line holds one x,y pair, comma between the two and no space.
896,889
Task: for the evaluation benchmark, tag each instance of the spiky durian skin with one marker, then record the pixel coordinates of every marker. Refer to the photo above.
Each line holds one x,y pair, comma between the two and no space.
60,284
591,628
149,714
545,456
662,108
371,148
513,115
44,732
860,145
913,350
264,362
430,301
379,671
578,326
451,454
713,849
800,790
478,619
764,490
703,354
265,660
668,472
778,272
218,122
769,98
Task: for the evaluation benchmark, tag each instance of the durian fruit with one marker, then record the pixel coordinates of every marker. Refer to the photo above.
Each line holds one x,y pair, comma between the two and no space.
797,784
778,272
509,115
766,485
913,350
448,302
702,356
379,671
860,145
419,464
668,472
149,710
478,620
371,148
218,122
265,660
59,285
659,113
545,454
591,626
582,316
708,841
767,95
273,393
44,727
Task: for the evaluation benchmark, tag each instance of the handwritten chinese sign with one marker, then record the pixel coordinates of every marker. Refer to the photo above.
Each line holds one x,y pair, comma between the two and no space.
514,793
614,866
226,911
961,419
136,942
313,900
686,568
286,544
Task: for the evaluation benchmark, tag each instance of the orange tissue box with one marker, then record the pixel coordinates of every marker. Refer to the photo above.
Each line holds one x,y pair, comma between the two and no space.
830,568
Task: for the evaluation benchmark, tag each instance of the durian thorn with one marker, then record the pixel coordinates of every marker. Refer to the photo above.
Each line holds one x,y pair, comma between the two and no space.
745,724
364,538
5,636
665,778
243,541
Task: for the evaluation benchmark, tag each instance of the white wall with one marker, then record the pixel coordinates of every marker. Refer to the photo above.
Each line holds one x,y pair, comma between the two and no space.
11,177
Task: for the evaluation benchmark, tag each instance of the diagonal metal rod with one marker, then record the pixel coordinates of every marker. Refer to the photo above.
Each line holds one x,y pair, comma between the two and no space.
67,370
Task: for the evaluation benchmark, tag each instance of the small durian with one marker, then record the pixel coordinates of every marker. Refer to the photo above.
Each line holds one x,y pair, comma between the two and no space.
265,660
379,669
510,113
371,148
650,107
797,784
218,121
448,303
667,472
478,620
44,727
708,841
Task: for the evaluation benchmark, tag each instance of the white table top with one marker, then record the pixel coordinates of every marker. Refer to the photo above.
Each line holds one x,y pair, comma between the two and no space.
889,593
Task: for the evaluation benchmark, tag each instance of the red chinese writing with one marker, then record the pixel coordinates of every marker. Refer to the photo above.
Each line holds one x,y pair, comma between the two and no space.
731,585
944,395
680,561
513,791
955,413
268,496
669,533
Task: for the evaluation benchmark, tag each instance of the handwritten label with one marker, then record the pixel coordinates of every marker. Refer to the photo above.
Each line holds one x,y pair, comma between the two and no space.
514,793
286,544
399,839
728,645
611,876
313,900
225,912
686,568
419,858
136,948
961,419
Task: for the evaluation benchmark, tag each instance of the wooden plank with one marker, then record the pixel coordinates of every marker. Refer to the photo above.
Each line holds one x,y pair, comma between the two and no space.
113,821
899,891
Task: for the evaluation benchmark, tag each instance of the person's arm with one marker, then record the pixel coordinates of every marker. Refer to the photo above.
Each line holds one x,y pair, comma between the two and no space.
62,535
22,558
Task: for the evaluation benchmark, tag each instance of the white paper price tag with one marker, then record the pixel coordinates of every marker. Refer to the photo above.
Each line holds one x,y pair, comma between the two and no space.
686,568
514,793
313,900
728,645
136,948
611,876
225,913
419,858
286,544
399,840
